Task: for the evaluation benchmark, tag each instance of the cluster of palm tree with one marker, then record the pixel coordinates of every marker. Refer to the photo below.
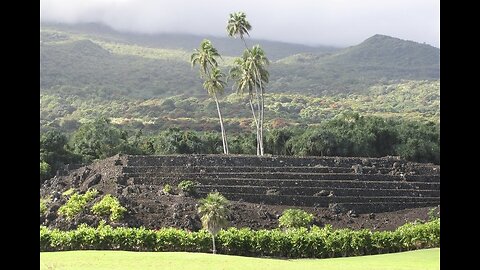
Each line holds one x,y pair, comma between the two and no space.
248,72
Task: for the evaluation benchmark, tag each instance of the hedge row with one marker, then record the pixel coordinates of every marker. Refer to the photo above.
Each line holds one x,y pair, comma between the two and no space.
307,243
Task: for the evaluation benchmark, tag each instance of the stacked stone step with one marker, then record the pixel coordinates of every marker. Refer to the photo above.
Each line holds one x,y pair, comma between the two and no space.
360,184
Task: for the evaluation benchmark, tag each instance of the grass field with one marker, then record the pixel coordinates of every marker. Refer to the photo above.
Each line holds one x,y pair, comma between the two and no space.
119,260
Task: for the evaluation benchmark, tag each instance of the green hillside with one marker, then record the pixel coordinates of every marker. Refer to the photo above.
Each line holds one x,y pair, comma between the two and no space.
96,71
377,59
383,50
92,60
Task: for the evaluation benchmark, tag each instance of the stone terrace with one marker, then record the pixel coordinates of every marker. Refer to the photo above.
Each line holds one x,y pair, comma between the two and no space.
364,185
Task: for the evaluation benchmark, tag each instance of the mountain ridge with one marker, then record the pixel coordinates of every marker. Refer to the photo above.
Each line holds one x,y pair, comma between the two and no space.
225,45
115,63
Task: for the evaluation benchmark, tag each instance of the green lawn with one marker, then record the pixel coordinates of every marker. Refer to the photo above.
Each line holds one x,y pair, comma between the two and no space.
413,260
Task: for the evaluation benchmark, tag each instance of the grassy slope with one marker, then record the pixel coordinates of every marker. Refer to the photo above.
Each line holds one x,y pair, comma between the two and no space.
420,259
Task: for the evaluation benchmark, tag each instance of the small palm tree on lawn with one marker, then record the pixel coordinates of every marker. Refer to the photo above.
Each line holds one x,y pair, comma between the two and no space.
213,211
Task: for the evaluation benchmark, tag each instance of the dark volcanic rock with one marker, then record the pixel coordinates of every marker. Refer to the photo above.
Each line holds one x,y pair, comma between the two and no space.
138,182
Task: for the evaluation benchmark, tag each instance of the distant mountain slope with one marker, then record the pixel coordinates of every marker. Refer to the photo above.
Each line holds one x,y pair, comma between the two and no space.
380,50
85,68
225,45
92,60
378,59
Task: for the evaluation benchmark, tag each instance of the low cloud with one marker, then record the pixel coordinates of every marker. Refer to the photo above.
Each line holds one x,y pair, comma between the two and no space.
328,22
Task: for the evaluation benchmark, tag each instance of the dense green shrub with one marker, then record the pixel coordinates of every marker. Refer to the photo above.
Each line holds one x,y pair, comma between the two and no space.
43,206
76,204
167,189
188,187
295,218
296,243
44,169
54,153
100,139
109,205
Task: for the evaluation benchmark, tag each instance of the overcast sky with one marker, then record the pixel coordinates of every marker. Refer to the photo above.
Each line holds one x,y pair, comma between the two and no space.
312,22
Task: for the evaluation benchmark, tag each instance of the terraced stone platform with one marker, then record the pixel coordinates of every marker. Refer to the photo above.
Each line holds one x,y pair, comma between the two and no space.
270,184
361,184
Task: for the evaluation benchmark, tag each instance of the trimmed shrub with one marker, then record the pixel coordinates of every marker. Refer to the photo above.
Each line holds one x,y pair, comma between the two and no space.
295,243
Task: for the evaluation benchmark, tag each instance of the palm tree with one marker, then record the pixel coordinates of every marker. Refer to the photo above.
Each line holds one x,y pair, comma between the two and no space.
214,212
205,58
214,86
238,25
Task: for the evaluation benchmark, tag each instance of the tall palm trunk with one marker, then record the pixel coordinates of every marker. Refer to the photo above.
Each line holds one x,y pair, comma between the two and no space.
244,43
258,119
261,112
224,135
256,123
259,136
257,76
213,242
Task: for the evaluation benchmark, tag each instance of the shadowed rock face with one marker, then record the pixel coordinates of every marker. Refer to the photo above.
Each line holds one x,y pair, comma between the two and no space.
260,188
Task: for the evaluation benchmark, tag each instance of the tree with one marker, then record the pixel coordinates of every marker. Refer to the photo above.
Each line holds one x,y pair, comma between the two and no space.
53,153
205,57
250,71
214,212
238,25
100,139
277,141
